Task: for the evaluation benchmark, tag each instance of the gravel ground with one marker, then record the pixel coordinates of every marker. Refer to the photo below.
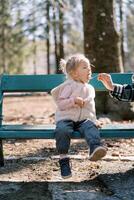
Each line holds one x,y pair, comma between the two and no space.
31,171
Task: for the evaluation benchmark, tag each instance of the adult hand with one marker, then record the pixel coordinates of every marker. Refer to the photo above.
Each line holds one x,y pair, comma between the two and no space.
106,80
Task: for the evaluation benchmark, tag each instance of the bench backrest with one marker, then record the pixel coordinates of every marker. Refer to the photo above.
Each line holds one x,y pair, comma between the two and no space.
44,83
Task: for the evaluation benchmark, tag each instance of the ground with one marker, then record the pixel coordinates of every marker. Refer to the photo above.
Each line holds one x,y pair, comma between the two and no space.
31,171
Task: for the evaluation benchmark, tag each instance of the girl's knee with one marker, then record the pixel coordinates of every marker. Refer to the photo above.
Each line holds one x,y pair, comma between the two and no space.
63,132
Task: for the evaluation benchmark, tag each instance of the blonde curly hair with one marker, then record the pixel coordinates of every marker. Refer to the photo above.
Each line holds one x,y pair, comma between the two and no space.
72,63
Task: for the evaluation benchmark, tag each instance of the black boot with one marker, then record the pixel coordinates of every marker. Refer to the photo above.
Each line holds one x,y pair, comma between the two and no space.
65,168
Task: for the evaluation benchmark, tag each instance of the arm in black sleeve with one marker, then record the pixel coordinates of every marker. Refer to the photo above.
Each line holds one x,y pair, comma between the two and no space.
123,92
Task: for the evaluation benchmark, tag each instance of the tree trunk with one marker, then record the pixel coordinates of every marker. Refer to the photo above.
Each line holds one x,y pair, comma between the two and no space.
55,40
3,43
61,44
48,42
121,30
101,40
34,41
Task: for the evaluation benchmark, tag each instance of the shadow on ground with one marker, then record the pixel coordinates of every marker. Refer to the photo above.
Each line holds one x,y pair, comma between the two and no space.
118,186
24,191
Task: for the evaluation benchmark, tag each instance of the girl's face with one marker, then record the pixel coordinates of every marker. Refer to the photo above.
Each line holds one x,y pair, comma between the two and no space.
82,73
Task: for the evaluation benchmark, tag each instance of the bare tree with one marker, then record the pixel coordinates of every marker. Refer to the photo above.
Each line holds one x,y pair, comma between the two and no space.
34,39
61,31
121,28
4,18
48,32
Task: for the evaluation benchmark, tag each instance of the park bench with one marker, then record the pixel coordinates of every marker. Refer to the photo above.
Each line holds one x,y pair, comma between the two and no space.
44,83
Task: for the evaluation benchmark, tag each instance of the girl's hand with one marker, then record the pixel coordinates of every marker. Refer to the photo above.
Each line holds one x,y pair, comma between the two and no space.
106,80
99,124
79,101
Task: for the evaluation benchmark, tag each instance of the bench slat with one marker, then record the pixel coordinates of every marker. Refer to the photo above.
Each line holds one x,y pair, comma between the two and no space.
47,132
118,126
40,83
29,83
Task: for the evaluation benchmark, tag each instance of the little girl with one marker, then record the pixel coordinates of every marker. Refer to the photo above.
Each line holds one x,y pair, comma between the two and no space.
76,111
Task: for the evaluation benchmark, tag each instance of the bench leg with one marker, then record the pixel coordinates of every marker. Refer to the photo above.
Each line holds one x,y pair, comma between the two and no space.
1,154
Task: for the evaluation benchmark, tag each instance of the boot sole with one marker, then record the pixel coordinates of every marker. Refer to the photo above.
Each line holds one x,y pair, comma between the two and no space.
99,153
65,177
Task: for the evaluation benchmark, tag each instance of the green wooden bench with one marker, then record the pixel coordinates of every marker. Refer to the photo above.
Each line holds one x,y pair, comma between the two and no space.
44,83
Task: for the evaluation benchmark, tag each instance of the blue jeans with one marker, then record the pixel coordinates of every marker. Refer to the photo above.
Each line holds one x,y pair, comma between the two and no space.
64,130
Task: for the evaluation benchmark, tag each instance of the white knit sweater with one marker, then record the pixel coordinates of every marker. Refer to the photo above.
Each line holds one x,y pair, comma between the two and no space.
64,95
